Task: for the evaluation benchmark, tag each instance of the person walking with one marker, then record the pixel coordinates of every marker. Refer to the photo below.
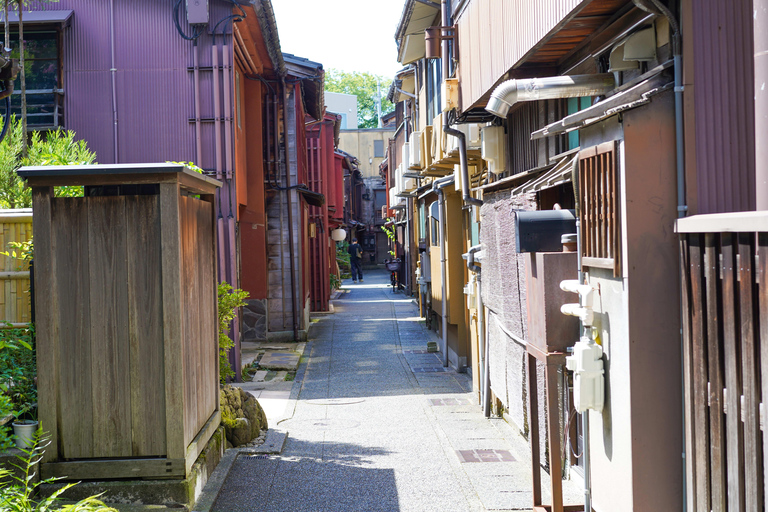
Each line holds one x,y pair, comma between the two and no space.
356,260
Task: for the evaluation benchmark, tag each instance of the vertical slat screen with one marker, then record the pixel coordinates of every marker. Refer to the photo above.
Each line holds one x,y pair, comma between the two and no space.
599,207
725,343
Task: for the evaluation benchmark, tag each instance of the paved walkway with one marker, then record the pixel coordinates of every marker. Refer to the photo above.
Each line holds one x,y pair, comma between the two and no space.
376,424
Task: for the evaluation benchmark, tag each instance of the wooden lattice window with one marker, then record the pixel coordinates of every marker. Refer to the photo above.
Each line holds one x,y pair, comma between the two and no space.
599,208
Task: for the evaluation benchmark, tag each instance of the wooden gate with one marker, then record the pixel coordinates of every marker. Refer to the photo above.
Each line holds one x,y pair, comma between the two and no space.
724,262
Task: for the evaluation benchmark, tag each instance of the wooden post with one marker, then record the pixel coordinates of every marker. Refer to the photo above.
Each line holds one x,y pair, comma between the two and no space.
170,234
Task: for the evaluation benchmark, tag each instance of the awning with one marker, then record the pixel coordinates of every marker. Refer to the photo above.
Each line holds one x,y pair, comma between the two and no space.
626,99
417,16
559,174
53,17
312,198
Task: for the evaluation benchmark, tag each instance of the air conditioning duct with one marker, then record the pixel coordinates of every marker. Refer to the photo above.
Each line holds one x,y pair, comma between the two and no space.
534,89
493,150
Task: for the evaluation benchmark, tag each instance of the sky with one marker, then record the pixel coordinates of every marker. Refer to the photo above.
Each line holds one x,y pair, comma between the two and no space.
348,35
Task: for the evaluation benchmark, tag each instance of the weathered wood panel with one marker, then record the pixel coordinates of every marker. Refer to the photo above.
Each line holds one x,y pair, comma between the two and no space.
725,341
109,327
191,318
714,336
146,348
209,355
72,275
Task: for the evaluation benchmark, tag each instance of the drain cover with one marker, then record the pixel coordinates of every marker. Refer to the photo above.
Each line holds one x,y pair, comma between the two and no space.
449,401
335,401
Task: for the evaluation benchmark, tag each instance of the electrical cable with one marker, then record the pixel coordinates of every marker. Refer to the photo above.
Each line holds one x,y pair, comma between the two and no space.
176,9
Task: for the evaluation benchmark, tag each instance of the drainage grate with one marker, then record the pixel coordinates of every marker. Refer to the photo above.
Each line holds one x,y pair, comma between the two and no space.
429,369
485,456
449,401
415,352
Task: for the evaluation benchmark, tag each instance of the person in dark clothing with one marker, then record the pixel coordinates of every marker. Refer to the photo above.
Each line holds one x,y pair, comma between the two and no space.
356,260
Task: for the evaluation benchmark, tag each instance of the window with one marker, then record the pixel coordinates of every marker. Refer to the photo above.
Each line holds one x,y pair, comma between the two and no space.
343,121
434,225
378,149
576,105
43,76
599,208
433,81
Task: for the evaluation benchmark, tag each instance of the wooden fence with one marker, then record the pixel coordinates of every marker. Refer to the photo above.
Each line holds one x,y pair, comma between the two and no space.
724,262
15,300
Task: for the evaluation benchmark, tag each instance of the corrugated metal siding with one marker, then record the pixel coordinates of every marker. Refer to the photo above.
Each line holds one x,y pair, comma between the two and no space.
515,26
154,87
724,106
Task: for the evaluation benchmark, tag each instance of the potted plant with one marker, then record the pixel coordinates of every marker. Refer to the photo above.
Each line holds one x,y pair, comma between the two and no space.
25,424
19,372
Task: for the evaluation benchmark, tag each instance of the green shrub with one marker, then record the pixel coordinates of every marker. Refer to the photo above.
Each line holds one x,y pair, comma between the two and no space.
229,300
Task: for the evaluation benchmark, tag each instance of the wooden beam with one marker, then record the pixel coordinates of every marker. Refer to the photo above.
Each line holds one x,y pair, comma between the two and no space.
110,469
200,441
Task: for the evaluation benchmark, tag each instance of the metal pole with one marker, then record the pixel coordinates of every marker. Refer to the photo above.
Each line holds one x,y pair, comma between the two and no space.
761,101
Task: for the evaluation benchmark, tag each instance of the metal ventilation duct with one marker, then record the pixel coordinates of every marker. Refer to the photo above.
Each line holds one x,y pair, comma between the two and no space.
532,89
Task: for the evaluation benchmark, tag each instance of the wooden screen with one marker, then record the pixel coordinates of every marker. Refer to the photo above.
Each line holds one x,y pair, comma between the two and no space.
599,208
725,355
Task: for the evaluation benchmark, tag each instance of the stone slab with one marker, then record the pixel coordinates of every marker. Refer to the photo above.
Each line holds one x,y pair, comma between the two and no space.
280,360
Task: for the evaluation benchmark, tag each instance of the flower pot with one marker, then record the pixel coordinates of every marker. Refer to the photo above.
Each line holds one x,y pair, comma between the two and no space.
24,430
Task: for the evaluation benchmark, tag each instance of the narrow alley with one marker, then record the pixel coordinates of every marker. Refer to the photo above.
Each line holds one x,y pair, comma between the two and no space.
377,424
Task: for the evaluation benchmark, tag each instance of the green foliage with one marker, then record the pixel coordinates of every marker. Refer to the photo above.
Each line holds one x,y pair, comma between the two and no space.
229,300
362,85
390,231
190,165
335,282
18,371
54,148
20,495
22,251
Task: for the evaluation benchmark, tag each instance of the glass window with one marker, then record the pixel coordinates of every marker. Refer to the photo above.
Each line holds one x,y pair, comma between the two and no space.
43,78
378,149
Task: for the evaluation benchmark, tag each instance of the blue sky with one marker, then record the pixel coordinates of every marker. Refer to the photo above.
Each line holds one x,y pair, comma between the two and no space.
350,35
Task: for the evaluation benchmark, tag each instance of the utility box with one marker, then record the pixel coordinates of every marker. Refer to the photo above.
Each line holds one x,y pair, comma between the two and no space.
548,329
197,12
126,319
540,230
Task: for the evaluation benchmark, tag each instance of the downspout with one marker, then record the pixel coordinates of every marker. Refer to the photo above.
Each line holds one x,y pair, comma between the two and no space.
113,71
465,192
196,80
289,193
483,341
761,101
437,186
218,163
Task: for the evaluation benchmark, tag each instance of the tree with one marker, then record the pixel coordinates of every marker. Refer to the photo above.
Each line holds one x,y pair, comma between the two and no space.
362,85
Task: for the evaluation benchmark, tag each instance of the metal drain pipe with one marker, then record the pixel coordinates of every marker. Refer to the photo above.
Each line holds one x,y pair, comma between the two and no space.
438,186
483,339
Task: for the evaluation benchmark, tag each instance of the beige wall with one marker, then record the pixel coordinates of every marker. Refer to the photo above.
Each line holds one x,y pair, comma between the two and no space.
359,143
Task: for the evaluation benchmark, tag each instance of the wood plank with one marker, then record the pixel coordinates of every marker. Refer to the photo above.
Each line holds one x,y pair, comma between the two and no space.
110,354
753,474
147,366
712,337
533,431
46,321
113,469
200,441
553,420
688,384
102,179
762,271
72,275
700,377
170,236
208,307
191,308
734,432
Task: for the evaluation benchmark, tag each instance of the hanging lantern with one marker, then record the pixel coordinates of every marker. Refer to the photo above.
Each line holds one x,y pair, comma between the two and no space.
338,235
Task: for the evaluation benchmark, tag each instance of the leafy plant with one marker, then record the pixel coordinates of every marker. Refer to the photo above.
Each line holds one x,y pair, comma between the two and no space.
390,231
18,371
57,147
22,251
335,282
20,495
190,165
229,300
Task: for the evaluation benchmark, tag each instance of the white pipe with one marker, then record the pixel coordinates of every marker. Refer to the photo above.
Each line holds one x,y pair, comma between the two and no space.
198,136
483,339
113,70
533,89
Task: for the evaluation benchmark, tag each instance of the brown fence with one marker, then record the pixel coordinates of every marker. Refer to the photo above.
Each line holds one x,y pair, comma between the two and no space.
725,350
15,300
